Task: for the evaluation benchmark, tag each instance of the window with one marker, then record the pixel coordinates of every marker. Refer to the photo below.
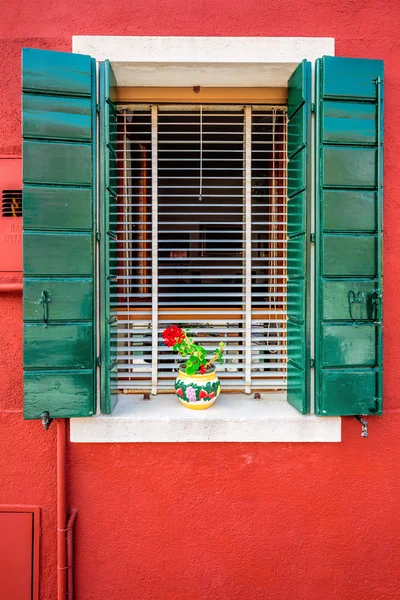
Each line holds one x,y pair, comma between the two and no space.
342,351
218,173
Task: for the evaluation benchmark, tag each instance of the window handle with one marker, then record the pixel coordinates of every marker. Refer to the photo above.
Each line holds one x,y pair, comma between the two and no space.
44,301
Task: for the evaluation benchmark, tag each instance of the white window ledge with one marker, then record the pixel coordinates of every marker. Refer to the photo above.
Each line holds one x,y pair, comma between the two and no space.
233,418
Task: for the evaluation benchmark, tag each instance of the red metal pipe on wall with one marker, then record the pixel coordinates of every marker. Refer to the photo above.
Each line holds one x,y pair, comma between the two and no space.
61,512
70,552
10,287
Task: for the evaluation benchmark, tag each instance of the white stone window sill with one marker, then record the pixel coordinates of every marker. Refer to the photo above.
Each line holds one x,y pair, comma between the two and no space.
233,418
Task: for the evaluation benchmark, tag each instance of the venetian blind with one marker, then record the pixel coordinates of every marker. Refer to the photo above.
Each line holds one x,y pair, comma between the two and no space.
201,241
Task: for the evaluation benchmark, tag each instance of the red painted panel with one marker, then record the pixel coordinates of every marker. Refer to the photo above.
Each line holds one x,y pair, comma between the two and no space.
10,227
16,541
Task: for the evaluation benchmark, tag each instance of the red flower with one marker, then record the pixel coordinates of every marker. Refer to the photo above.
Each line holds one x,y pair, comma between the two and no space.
172,335
203,369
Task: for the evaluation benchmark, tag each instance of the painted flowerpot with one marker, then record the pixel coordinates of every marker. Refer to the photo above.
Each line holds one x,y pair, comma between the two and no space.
197,391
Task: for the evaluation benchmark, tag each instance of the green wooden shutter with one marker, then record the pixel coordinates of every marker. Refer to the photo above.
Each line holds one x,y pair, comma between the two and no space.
108,240
348,327
298,186
58,243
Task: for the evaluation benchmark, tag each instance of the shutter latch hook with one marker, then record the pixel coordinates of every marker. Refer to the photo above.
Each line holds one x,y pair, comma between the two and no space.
356,299
44,301
364,426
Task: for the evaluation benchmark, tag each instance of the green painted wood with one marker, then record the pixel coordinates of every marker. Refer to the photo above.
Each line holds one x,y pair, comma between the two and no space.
297,135
69,299
59,73
297,350
335,300
349,392
349,78
52,117
341,207
298,88
348,345
57,163
61,346
296,300
296,215
298,255
349,255
58,253
111,168
57,208
349,182
108,247
351,167
348,123
297,172
59,116
58,392
296,387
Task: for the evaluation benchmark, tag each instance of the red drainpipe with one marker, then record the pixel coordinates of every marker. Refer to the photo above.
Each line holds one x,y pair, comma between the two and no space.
65,539
10,287
70,553
61,513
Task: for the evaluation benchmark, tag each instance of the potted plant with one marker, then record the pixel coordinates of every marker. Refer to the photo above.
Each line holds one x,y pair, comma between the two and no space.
197,385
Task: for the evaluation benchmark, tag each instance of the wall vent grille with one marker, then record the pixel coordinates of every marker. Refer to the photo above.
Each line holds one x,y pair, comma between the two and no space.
11,203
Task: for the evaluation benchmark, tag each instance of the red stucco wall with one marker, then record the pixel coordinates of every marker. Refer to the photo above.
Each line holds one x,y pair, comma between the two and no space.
215,521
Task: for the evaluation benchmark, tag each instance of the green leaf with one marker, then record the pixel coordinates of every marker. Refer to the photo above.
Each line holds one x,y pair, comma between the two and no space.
193,366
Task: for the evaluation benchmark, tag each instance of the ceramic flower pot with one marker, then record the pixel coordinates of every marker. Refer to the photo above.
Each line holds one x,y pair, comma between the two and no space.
197,391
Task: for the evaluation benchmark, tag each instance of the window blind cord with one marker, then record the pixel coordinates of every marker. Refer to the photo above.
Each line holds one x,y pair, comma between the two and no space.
201,154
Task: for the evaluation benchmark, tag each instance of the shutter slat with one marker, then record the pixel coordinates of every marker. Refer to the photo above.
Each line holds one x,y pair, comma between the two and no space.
58,200
52,117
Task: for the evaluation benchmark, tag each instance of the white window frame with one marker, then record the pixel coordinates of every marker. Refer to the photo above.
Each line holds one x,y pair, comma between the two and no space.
208,62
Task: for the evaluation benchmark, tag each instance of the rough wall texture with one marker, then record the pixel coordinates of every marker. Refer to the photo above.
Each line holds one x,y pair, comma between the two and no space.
214,521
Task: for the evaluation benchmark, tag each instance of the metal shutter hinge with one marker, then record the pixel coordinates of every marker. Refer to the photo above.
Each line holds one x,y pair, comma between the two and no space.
313,107
98,236
97,108
312,363
98,361
312,237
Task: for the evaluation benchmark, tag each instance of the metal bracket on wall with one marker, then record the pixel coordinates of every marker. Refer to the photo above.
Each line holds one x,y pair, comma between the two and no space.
364,426
46,420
